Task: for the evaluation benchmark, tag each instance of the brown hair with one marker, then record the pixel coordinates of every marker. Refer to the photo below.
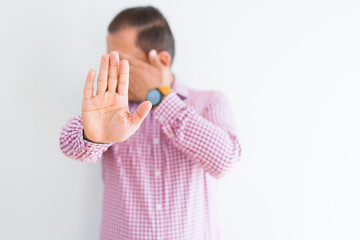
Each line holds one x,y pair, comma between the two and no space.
153,30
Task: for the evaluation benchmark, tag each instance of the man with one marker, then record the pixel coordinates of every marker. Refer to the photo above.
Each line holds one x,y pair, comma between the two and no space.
163,145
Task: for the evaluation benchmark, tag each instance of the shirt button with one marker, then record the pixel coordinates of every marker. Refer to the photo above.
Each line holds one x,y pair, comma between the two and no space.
157,173
158,207
156,140
170,133
161,118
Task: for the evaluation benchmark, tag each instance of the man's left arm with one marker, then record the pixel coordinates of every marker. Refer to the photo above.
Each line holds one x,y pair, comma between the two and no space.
210,139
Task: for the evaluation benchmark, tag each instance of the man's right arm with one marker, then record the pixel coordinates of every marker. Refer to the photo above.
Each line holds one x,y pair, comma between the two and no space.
73,144
106,115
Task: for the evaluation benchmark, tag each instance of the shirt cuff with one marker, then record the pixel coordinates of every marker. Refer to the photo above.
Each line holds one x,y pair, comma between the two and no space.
94,146
171,111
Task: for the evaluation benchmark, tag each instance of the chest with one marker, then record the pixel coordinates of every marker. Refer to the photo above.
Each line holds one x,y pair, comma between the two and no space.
147,153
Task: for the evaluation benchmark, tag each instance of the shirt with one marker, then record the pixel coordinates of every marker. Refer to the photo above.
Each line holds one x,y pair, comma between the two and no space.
161,183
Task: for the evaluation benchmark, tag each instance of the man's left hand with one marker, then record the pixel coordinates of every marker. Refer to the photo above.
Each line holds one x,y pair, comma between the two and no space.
145,76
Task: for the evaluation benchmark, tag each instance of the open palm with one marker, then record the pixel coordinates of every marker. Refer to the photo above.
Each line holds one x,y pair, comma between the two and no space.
106,117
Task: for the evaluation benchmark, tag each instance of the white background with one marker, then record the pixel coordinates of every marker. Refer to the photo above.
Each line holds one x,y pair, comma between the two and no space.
290,70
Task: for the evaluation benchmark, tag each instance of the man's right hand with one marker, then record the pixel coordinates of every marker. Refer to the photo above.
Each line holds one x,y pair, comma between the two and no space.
106,116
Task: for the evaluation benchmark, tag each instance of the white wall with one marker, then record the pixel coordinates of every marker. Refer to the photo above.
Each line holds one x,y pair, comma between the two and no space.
290,70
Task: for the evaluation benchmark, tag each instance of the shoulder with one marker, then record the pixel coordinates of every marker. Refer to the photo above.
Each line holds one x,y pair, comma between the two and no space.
206,102
206,97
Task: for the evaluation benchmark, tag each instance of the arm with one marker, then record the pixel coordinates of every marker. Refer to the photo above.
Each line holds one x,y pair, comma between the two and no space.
73,144
209,140
105,117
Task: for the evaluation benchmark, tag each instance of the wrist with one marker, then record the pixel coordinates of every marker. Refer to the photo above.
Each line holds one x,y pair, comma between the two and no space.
87,139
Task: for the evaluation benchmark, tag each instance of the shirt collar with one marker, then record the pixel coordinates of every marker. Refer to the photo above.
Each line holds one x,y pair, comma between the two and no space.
177,86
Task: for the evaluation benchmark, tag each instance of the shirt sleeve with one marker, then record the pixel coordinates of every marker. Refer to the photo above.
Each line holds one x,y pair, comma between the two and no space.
73,144
209,139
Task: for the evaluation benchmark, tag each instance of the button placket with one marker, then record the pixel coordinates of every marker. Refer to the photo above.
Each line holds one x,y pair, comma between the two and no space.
157,166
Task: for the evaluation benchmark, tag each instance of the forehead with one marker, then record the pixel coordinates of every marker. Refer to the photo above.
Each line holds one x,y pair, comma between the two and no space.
124,39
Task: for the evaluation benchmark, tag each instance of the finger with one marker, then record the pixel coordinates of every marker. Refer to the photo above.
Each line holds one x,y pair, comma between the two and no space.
123,86
103,75
132,61
123,55
140,114
113,71
154,59
140,68
89,85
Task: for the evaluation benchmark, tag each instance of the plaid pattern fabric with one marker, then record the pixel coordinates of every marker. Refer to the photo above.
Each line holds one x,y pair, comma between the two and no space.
161,183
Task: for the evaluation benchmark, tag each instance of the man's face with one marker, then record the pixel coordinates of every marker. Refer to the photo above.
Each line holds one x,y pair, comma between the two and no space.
144,75
125,41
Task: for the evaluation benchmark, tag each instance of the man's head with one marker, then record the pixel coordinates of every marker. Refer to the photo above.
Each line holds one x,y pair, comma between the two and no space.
135,31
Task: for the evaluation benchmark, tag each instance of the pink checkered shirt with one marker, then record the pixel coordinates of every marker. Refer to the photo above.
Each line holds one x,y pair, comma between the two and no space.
161,183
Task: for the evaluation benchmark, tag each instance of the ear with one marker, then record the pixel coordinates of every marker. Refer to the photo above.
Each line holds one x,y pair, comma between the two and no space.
165,58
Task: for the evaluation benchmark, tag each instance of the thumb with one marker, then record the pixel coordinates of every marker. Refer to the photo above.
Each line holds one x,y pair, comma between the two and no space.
140,114
154,59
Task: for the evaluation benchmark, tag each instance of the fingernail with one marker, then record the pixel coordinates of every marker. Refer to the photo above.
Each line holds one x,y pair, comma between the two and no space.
153,53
